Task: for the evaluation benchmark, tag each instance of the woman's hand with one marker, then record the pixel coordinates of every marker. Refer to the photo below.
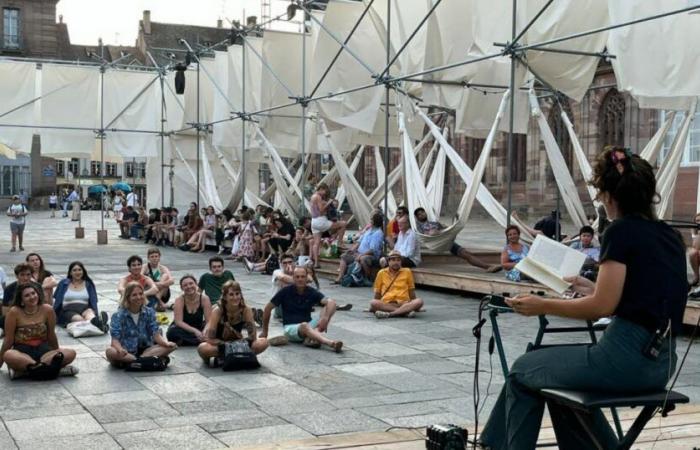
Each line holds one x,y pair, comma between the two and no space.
582,285
171,345
528,305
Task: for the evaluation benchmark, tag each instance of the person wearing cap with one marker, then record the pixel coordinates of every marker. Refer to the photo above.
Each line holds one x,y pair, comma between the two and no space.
395,291
17,212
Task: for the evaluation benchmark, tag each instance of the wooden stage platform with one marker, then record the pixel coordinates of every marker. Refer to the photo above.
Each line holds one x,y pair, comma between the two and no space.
445,271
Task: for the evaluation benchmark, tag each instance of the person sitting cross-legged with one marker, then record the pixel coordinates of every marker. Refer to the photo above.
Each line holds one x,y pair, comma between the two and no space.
190,314
297,302
395,291
227,321
135,332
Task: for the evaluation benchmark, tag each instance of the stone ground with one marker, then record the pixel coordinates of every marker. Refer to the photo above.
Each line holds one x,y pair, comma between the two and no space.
393,374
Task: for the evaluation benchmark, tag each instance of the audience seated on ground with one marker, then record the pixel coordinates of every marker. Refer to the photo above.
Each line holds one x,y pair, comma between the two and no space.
135,265
367,252
208,230
228,320
23,275
226,229
395,291
192,223
75,299
320,222
427,227
297,302
513,252
406,243
161,277
30,346
212,281
136,339
42,276
128,218
585,245
190,314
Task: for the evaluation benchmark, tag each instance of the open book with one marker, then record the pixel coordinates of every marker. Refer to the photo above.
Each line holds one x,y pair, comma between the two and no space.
550,261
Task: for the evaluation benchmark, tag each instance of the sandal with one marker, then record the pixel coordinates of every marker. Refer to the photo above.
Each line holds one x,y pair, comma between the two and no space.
337,346
312,343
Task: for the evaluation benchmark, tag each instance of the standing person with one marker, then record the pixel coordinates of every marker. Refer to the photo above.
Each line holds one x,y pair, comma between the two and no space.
118,205
135,332
643,286
212,281
132,199
30,346
513,252
297,301
42,276
227,321
106,203
53,203
17,213
161,277
76,299
247,231
190,314
395,291
320,223
135,265
74,199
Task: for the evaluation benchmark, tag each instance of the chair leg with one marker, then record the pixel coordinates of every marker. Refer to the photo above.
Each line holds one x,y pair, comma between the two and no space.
639,423
572,432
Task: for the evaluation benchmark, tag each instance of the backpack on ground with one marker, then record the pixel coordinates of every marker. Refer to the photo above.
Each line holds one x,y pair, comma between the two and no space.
237,355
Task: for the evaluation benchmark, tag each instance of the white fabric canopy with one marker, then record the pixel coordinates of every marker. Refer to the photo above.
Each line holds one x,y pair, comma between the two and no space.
61,86
653,148
656,60
380,171
132,102
18,88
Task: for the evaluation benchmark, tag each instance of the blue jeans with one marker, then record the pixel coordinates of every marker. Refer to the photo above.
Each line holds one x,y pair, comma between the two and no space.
614,364
65,209
134,230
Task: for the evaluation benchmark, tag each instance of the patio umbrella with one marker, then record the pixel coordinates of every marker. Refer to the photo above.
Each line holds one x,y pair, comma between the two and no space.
121,186
97,189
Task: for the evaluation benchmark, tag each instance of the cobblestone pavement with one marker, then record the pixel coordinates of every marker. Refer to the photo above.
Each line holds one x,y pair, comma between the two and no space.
393,373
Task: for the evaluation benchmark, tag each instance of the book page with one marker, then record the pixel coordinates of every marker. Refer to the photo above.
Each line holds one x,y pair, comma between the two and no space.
541,274
556,257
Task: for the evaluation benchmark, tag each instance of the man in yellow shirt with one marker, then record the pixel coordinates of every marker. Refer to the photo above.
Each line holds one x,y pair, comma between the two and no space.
394,291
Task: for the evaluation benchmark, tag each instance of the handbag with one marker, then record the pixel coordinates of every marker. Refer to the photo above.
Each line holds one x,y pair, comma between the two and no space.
238,356
84,328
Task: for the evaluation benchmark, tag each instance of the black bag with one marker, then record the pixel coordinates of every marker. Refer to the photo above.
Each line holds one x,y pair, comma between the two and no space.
272,264
148,364
238,356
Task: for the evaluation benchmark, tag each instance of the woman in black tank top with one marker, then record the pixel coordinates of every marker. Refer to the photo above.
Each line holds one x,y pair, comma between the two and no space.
191,312
230,320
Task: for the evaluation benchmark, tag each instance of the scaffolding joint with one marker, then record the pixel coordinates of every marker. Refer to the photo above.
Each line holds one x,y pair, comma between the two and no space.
303,101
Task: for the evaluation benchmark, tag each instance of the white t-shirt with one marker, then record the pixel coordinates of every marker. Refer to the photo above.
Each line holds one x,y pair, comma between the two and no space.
53,199
277,283
131,199
16,209
3,279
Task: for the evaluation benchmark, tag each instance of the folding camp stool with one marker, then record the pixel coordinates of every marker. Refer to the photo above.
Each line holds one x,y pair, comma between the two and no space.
579,406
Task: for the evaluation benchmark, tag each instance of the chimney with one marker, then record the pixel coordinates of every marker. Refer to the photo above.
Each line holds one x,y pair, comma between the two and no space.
219,23
146,21
251,21
60,18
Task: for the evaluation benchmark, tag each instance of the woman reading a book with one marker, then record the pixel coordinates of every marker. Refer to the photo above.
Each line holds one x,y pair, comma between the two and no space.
643,287
514,252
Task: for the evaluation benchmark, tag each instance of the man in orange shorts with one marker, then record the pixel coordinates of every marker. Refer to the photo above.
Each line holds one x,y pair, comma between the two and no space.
394,291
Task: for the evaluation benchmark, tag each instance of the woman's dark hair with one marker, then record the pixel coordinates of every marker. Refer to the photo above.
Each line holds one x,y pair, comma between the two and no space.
186,276
42,270
512,227
227,214
377,220
230,285
628,179
17,301
133,258
78,263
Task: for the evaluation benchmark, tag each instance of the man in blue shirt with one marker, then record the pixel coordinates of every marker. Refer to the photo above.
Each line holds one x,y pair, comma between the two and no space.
297,302
592,252
367,252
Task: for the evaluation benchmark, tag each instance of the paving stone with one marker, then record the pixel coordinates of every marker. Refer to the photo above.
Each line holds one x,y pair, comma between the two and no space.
206,417
378,368
436,367
187,437
385,412
369,328
46,427
421,421
116,397
287,400
386,349
125,411
246,421
106,382
213,407
412,381
44,411
242,381
6,441
130,426
263,435
23,394
101,441
175,383
333,422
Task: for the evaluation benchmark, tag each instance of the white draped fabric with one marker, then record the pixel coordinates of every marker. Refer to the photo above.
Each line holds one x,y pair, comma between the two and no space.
131,102
653,148
16,94
61,87
380,170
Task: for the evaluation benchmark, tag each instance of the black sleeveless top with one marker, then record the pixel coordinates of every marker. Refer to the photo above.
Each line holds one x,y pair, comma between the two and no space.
196,319
230,331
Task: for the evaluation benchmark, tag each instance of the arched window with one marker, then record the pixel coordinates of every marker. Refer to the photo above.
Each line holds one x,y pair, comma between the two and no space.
611,120
561,134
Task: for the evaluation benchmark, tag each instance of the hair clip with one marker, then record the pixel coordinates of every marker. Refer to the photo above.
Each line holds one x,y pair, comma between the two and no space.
619,155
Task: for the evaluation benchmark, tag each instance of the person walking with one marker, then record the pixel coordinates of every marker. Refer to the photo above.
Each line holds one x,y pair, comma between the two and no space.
17,213
53,203
74,199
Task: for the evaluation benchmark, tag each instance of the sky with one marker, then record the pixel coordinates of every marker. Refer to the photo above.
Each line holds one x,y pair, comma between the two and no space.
116,21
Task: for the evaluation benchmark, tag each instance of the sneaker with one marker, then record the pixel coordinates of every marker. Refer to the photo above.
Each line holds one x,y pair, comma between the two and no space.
312,343
247,265
411,314
13,373
603,321
13,249
68,371
21,249
345,307
381,315
277,341
337,346
105,322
